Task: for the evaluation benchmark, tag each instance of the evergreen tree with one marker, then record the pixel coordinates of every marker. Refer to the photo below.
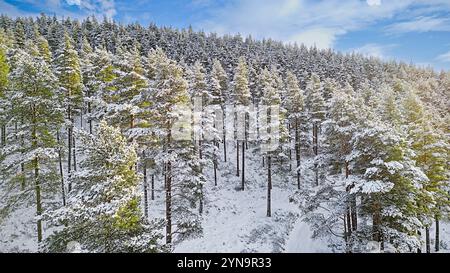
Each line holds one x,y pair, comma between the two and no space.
316,112
242,97
37,113
295,106
67,69
103,213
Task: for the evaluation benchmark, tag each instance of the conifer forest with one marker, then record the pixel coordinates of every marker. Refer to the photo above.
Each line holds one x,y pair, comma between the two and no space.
124,137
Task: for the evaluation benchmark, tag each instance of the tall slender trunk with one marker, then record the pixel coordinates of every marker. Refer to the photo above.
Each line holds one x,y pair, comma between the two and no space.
427,239
69,155
74,155
243,167
224,140
297,151
3,131
89,109
153,187
269,186
215,170
353,213
144,172
38,199
376,224
37,183
237,158
316,152
169,197
437,239
61,170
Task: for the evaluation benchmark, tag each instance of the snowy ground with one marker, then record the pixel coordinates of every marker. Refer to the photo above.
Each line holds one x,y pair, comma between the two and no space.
233,220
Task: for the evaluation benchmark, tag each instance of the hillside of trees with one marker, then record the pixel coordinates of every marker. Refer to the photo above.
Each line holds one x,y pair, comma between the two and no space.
87,110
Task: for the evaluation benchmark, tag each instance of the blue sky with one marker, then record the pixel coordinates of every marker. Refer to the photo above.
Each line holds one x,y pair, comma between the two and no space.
415,31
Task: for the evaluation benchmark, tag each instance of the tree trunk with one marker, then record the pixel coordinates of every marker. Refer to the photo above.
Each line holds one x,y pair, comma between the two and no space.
224,138
427,239
354,215
243,166
297,151
316,152
215,170
61,170
153,187
269,186
169,197
224,146
74,155
3,131
237,158
89,109
437,239
144,171
376,220
37,183
69,143
38,199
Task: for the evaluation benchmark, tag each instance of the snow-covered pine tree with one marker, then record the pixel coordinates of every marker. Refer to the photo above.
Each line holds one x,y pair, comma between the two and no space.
37,112
295,106
218,84
4,72
389,182
99,86
271,98
183,177
340,127
430,150
125,88
241,98
316,113
103,213
68,70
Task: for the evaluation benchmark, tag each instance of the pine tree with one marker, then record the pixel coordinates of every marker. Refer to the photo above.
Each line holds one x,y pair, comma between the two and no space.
38,114
125,88
341,126
218,85
103,213
242,98
271,98
4,72
430,152
183,178
316,112
295,106
67,69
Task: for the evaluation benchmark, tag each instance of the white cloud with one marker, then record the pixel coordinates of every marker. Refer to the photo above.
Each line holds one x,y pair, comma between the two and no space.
421,24
374,50
320,37
445,58
373,2
309,21
99,7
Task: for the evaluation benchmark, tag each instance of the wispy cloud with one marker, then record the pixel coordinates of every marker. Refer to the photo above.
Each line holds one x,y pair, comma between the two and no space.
103,7
61,8
444,57
374,50
421,24
310,22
